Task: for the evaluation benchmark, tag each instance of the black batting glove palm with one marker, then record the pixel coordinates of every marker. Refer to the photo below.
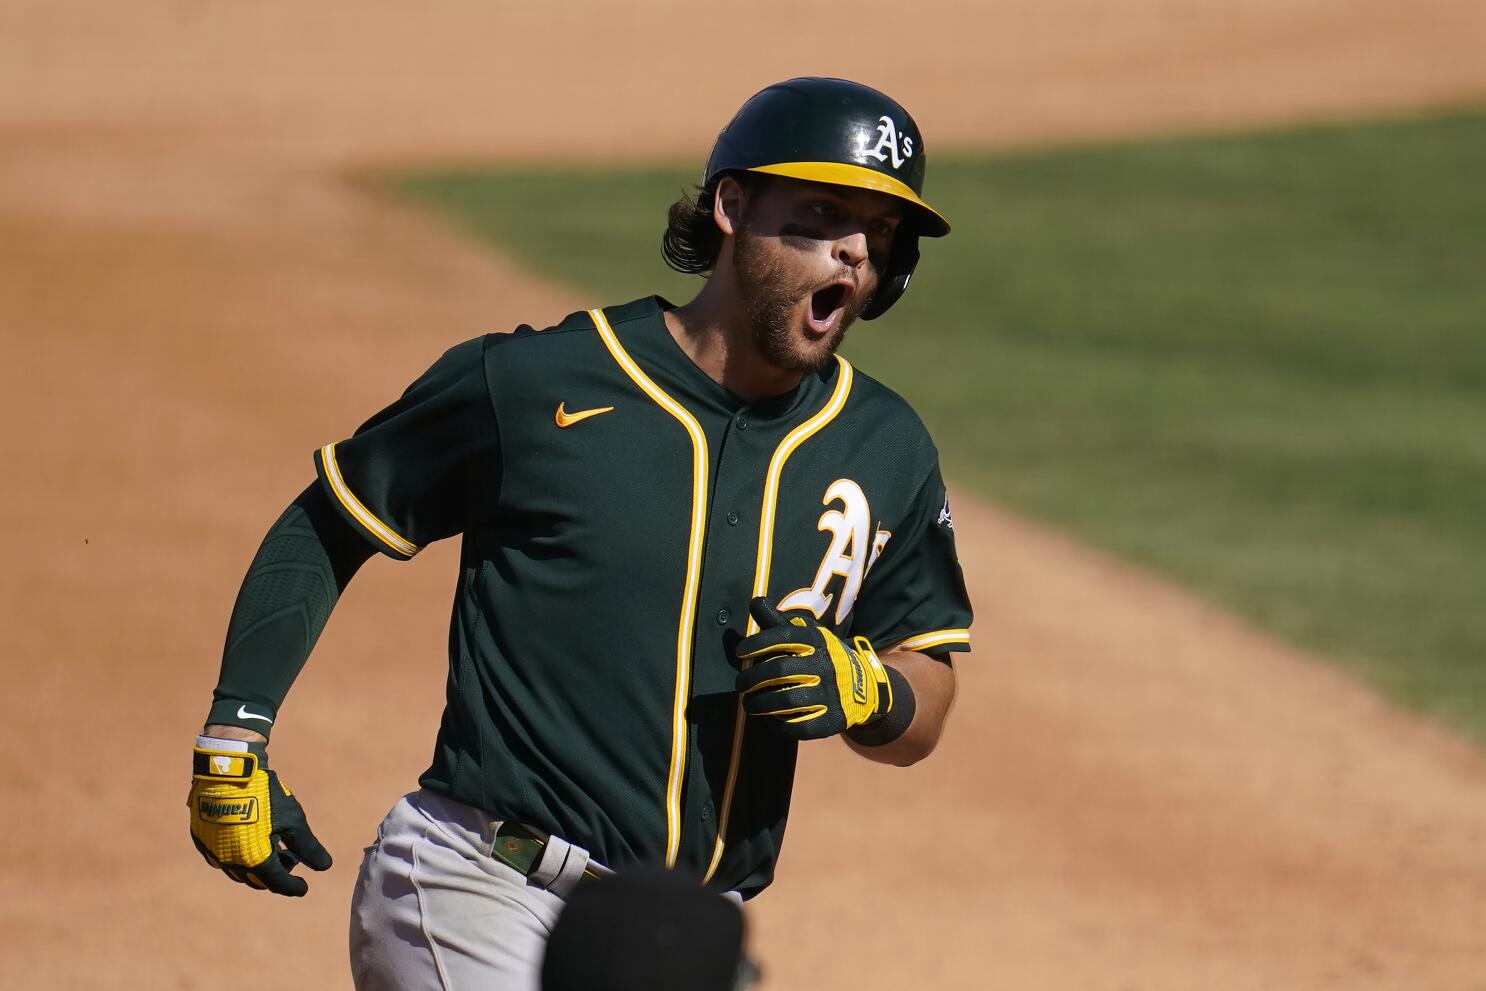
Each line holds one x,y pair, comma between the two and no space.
801,676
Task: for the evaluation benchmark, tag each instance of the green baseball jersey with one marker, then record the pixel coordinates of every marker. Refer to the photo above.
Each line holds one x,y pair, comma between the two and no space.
619,509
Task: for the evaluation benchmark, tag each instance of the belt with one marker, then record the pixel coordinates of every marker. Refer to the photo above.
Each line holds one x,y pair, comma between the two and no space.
549,862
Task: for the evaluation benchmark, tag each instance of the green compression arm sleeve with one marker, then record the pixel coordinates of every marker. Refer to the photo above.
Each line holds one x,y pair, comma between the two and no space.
305,562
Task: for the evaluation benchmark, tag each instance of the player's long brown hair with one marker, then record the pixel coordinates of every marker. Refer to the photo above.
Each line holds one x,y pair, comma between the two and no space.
692,238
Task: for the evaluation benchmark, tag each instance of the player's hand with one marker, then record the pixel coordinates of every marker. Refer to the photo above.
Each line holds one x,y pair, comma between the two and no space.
803,677
245,822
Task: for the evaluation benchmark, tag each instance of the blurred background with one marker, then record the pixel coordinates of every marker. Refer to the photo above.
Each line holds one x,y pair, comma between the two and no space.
1205,354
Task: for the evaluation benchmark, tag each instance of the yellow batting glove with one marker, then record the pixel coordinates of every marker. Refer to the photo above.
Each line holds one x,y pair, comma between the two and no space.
245,822
801,674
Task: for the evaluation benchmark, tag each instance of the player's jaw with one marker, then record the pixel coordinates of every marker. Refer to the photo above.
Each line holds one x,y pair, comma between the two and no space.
798,303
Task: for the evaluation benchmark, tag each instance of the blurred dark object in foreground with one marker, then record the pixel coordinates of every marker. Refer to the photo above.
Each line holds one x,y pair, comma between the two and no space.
647,929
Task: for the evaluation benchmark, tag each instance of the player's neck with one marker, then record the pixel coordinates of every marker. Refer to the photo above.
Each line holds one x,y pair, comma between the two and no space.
718,337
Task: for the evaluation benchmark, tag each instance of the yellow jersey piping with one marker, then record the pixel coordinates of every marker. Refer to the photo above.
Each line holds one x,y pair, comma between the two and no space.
360,513
782,453
685,626
924,641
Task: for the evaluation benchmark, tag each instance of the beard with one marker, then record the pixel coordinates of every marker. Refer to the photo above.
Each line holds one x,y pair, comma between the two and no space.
769,296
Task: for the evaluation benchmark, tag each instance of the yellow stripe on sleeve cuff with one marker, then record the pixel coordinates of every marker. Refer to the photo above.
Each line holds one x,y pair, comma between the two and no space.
928,641
360,513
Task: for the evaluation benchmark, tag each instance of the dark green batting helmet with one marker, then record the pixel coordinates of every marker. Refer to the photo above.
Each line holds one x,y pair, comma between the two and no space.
843,133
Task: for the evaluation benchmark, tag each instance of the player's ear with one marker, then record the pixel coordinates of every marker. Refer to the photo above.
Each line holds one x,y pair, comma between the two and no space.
728,202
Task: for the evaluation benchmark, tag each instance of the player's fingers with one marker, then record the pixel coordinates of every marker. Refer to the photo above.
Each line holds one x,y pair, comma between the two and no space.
787,701
765,615
786,669
780,640
205,853
801,722
808,726
303,844
783,682
272,876
293,829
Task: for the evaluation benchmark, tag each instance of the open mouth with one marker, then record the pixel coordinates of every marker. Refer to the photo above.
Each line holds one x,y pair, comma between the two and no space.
827,306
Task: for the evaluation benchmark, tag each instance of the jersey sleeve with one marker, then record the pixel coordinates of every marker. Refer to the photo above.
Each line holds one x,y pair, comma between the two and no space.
422,468
913,597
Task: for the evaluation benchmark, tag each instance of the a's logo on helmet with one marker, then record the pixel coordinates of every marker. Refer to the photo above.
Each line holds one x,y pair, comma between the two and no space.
899,149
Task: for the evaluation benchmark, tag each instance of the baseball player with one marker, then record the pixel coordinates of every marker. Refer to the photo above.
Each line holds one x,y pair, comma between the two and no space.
692,536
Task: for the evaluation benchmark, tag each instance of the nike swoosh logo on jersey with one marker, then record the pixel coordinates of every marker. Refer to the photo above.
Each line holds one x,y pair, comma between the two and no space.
566,419
243,713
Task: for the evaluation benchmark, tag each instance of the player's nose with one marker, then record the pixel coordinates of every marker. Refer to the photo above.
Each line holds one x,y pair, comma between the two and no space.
851,250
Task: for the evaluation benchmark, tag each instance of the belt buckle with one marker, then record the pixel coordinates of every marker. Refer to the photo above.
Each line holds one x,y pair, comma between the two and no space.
525,849
517,847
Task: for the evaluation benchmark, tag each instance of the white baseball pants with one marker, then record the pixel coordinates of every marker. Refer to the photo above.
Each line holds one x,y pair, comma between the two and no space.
433,911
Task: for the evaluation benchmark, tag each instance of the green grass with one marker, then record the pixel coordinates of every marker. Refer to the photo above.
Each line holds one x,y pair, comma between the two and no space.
1255,362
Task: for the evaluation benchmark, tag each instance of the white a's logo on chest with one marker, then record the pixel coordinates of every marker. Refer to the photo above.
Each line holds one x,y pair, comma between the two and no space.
853,550
889,144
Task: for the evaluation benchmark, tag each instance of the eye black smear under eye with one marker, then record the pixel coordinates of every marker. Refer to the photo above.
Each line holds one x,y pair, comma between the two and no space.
800,236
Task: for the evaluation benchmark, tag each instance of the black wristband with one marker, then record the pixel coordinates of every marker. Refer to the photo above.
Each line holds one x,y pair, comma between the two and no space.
886,729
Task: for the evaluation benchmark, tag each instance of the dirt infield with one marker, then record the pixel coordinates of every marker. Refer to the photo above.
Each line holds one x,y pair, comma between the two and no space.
1136,792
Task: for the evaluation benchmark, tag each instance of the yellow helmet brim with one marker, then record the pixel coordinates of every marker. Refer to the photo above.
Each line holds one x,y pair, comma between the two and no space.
932,224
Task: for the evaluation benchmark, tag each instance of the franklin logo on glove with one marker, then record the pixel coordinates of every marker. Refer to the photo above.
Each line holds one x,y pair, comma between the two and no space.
247,824
236,813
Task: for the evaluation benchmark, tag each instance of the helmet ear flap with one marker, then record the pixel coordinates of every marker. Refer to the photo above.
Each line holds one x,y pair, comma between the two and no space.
894,282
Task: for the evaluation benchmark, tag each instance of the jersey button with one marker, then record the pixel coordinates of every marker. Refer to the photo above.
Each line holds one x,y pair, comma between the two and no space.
732,519
742,422
723,616
706,811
